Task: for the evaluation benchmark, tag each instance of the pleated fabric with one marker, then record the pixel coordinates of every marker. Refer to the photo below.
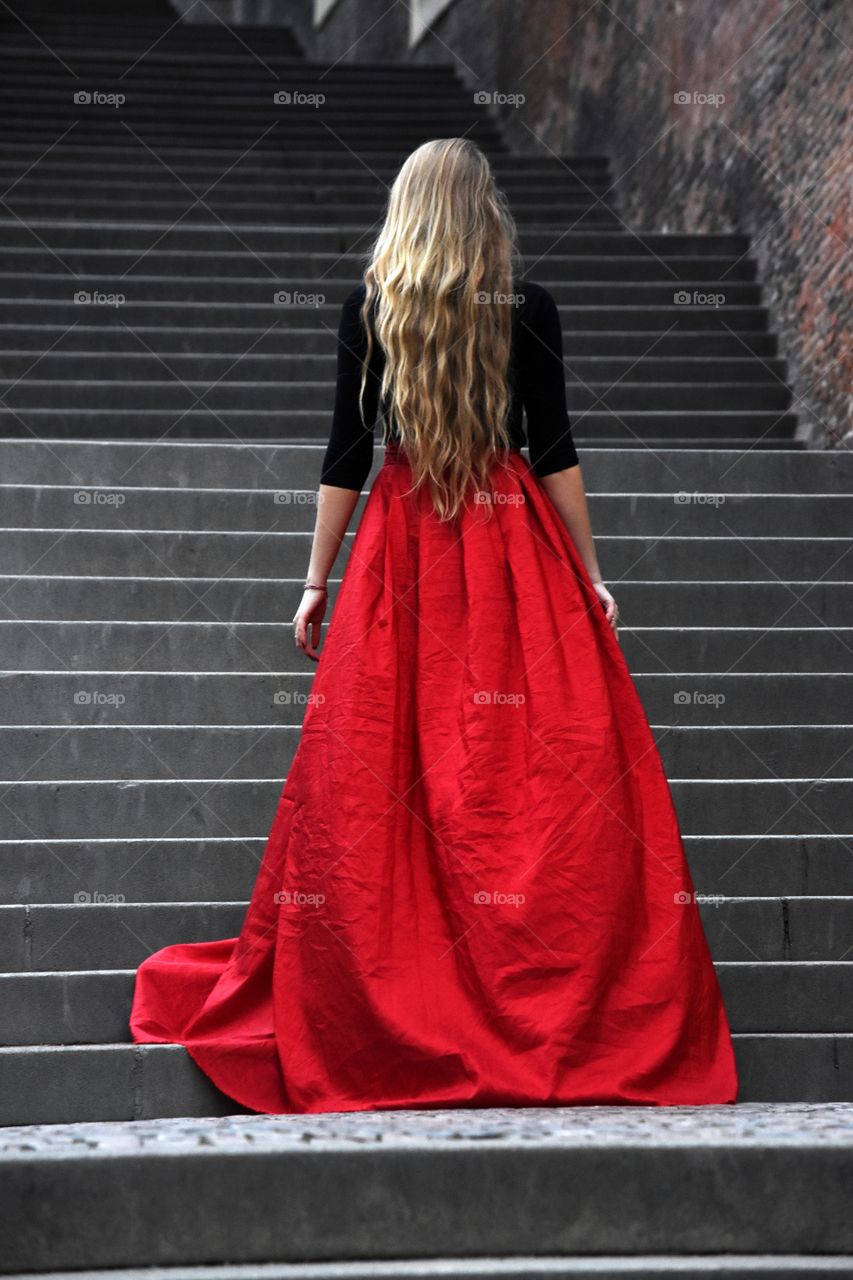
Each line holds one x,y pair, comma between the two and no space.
474,892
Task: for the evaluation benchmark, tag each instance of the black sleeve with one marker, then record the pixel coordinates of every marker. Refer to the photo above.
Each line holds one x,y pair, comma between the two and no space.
542,382
349,453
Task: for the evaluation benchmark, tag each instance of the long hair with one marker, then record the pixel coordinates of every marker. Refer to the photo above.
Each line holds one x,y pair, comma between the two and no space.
439,284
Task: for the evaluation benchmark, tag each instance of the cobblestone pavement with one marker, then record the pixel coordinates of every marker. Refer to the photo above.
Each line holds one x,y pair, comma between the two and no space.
745,1124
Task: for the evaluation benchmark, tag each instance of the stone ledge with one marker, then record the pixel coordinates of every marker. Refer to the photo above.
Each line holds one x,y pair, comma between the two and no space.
754,1125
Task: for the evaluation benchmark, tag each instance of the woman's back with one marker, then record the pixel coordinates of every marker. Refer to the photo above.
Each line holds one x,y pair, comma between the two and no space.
536,378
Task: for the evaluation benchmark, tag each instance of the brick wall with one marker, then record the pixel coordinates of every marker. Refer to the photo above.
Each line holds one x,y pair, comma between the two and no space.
759,147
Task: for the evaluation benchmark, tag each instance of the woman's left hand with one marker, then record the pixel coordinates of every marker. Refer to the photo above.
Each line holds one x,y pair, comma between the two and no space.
611,608
311,611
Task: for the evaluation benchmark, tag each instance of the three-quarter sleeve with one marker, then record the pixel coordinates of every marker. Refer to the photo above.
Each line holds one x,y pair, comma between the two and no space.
542,384
349,453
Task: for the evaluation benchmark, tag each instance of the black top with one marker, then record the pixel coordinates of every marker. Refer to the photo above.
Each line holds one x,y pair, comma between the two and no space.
536,382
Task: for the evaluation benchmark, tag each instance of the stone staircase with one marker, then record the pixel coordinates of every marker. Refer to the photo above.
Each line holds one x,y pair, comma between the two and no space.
161,439
177,244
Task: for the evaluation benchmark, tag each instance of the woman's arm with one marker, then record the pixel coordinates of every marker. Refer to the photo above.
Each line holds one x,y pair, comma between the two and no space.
553,455
568,497
334,511
346,465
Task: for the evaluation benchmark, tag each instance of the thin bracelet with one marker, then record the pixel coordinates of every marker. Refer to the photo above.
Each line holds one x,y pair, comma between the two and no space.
314,586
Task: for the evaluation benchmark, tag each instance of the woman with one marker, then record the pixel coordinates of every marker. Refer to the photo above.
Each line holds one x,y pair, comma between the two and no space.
474,892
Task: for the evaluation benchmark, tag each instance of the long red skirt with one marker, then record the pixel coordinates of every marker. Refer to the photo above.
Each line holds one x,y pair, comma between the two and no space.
474,892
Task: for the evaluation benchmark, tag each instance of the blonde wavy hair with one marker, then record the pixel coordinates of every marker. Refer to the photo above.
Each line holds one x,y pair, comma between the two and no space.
439,282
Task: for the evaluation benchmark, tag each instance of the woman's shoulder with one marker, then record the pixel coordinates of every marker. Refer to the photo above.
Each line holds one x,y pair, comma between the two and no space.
533,299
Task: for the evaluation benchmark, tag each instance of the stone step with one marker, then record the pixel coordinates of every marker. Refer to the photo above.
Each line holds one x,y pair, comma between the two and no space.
285,509
222,464
89,37
51,697
210,807
142,367
59,550
585,1181
150,342
624,315
194,869
267,156
165,751
672,603
309,295
211,645
577,212
248,397
558,192
606,1267
672,269
90,935
247,100
56,1084
93,1006
333,237
656,428
404,136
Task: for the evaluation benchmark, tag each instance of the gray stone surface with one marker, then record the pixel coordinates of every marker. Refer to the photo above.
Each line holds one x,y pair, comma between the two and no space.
745,1125
433,1184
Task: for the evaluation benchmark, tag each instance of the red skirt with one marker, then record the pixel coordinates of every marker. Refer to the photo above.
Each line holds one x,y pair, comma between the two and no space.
474,892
